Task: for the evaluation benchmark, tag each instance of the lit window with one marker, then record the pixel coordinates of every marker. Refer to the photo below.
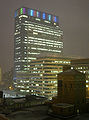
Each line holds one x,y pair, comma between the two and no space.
86,81
37,84
27,90
71,67
35,33
38,19
86,85
40,74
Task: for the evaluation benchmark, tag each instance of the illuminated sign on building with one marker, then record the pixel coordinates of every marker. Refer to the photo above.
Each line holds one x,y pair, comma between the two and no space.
49,17
16,13
31,12
22,10
35,13
44,16
38,14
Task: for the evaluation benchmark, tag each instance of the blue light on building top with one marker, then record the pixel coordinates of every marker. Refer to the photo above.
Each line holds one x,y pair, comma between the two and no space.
44,16
16,13
55,19
31,12
49,17
38,14
28,11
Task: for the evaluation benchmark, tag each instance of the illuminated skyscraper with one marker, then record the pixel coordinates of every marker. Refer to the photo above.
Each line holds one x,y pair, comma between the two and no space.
35,32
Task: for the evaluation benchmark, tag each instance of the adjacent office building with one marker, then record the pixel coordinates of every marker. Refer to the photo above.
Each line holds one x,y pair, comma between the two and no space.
35,32
82,65
43,74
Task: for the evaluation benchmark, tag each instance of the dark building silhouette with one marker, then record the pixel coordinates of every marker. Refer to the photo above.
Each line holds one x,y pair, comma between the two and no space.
72,88
82,65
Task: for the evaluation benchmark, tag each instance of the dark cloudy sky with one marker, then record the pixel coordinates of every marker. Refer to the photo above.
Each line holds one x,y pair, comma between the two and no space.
73,19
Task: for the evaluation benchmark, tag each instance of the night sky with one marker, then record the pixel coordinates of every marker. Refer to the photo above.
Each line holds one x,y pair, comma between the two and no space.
73,19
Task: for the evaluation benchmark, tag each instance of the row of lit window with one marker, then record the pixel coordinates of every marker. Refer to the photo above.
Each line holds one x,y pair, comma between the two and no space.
46,32
44,49
81,67
39,31
22,60
50,30
42,39
34,43
24,90
18,38
42,42
16,33
45,44
67,62
42,28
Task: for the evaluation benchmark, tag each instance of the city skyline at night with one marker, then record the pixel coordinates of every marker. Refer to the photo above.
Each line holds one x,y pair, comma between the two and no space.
73,19
44,59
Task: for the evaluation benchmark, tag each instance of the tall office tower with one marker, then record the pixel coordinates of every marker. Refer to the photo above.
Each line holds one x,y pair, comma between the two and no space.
35,32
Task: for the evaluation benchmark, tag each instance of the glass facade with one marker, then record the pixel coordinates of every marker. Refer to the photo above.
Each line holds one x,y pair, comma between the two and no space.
35,32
